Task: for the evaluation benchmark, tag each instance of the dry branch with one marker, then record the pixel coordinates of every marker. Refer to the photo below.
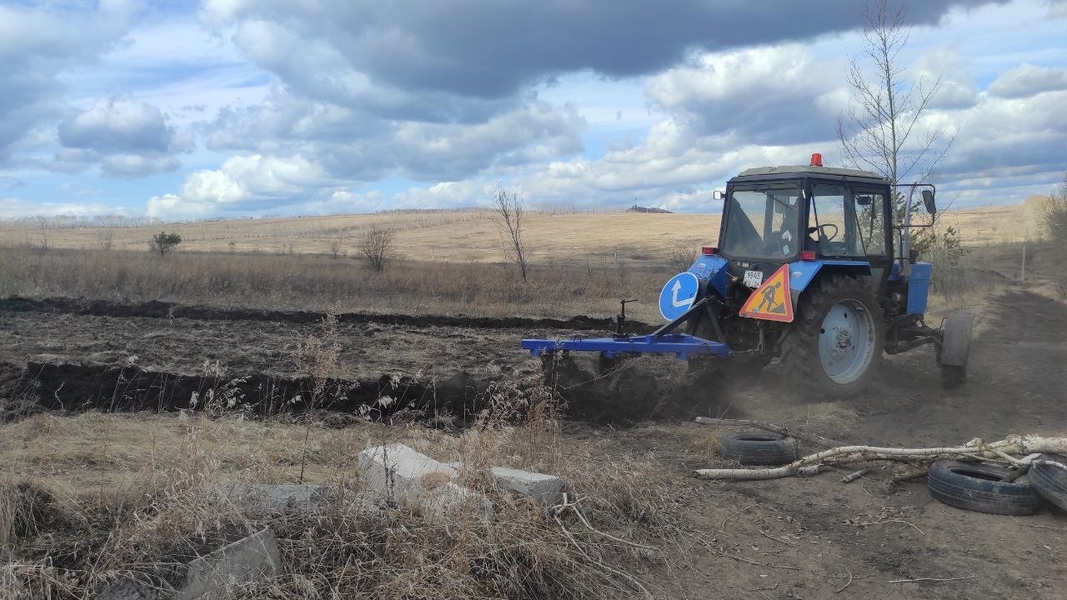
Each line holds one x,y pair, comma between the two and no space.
854,476
934,579
975,448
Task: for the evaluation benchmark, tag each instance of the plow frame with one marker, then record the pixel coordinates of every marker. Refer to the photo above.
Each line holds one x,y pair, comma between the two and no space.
661,341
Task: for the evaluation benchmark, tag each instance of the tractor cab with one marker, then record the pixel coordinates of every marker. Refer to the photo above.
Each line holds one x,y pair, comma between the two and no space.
810,271
812,216
776,215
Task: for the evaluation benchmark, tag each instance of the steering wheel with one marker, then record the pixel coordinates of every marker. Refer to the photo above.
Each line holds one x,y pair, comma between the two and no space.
822,234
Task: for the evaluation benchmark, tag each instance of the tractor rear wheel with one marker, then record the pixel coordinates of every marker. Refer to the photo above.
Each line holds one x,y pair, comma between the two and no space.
834,346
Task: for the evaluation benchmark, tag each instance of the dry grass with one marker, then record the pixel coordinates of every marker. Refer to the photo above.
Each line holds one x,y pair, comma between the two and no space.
473,236
93,498
318,283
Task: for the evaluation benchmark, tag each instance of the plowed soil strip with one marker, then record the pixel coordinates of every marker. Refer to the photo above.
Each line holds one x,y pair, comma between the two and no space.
164,310
76,387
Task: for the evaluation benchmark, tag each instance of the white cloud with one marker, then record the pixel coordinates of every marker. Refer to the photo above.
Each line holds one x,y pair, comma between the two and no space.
952,73
1028,80
137,165
243,183
448,194
15,208
771,95
117,125
37,45
355,146
174,208
127,138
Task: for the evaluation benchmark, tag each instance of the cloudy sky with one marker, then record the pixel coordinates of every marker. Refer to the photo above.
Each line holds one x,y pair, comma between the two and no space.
186,110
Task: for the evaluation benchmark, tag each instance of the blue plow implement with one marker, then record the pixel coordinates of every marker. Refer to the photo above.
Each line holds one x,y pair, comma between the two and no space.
681,345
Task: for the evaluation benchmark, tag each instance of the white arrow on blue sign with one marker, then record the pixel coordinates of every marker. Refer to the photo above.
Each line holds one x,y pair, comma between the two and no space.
678,295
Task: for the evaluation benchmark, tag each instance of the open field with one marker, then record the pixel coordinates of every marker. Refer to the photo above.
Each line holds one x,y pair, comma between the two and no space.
320,283
473,236
123,409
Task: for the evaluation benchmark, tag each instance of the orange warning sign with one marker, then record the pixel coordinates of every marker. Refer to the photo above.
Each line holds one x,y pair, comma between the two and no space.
771,301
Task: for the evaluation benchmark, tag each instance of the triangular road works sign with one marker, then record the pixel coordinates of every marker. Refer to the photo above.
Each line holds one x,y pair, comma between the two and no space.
771,301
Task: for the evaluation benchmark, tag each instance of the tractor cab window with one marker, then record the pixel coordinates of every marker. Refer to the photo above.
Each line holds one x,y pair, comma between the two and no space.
832,221
870,211
762,223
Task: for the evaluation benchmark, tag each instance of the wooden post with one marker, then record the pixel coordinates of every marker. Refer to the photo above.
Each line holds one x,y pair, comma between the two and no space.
1023,274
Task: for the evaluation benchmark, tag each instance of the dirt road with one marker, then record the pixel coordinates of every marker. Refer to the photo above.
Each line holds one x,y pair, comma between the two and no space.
815,534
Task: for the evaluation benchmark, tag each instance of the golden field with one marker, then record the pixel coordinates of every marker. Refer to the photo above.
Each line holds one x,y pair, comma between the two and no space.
471,235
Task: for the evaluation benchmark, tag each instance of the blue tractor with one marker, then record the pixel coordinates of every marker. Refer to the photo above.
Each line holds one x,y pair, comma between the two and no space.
811,272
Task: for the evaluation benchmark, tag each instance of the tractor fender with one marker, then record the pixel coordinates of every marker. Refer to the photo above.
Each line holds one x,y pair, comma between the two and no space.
710,271
803,272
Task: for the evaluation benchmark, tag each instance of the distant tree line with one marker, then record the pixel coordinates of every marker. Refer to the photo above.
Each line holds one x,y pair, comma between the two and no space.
82,222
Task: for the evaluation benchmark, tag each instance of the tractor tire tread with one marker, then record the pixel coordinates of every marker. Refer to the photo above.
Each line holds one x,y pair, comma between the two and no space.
950,484
799,347
758,448
1050,481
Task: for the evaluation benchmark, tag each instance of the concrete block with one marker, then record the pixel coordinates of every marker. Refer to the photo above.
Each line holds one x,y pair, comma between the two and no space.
545,488
208,577
254,557
273,497
399,472
540,486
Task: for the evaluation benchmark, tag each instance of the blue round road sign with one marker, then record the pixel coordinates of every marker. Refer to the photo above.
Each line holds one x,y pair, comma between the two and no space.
678,295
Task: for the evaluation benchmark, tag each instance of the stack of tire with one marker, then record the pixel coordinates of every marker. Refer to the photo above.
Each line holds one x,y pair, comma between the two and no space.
995,489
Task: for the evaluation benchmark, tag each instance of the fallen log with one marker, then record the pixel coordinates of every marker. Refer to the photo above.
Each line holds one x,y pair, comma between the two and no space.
976,448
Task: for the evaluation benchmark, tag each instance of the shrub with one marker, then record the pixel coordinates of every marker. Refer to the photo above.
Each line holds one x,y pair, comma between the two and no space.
164,243
1055,217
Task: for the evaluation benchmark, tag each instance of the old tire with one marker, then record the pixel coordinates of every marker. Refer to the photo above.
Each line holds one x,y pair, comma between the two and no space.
764,448
978,487
955,348
833,348
1050,481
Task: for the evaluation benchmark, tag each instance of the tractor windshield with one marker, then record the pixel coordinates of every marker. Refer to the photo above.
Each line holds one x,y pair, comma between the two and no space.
762,223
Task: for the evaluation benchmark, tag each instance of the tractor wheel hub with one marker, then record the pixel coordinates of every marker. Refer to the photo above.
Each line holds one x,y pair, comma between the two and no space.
845,344
842,342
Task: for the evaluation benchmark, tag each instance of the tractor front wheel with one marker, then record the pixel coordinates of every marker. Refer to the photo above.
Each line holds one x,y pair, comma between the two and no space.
834,346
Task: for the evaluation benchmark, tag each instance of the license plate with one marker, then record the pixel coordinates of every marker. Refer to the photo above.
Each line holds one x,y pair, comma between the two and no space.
753,279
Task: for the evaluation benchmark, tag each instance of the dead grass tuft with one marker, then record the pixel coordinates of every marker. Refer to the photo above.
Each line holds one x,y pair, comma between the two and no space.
25,509
709,444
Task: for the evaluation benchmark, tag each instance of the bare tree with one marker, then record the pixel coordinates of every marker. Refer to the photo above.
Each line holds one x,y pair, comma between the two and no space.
44,226
510,211
881,130
376,247
682,256
105,238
